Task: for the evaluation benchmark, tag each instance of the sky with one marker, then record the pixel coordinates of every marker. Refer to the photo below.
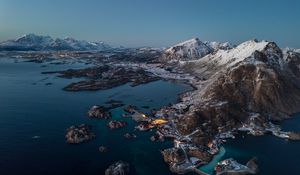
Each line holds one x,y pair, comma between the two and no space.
156,23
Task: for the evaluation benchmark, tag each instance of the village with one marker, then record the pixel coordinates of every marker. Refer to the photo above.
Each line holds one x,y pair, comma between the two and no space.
185,156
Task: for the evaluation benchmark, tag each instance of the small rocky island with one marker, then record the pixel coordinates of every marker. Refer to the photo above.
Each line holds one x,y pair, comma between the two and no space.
115,124
99,112
103,149
79,134
118,168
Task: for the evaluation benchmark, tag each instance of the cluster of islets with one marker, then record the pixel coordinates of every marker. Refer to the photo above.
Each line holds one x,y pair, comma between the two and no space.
82,133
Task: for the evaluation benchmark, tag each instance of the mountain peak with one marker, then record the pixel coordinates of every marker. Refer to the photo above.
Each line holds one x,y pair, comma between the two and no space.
239,53
190,41
31,36
38,42
188,50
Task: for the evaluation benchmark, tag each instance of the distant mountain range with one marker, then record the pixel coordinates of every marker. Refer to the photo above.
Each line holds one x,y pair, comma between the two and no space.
192,49
32,42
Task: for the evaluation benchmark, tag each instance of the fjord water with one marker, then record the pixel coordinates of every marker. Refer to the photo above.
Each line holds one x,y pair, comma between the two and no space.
275,156
29,108
34,116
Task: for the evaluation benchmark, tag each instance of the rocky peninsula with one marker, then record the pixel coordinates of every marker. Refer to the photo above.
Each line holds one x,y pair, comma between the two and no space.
105,77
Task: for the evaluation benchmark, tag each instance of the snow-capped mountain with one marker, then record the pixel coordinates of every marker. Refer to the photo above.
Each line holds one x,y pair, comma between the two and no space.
254,77
227,58
188,50
194,49
38,42
218,45
73,44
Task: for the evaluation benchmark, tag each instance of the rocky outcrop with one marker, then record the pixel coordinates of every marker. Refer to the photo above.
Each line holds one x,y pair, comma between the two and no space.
200,154
103,149
105,77
293,62
252,164
118,168
99,112
130,136
294,136
114,104
114,124
173,155
79,134
130,109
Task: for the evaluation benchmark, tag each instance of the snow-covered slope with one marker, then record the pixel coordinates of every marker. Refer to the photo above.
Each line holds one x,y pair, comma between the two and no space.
188,50
220,59
194,49
37,42
237,54
73,44
255,77
218,45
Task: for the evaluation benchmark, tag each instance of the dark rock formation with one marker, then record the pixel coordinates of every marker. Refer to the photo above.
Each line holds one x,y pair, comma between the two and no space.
130,109
294,136
173,155
252,164
252,78
200,154
129,136
118,168
105,77
91,72
99,112
79,134
114,124
114,104
293,63
103,149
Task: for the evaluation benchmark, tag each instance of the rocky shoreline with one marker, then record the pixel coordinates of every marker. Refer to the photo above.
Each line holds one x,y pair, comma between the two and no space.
241,89
118,168
104,77
79,134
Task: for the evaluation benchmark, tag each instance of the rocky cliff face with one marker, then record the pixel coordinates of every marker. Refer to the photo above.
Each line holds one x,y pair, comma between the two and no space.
254,77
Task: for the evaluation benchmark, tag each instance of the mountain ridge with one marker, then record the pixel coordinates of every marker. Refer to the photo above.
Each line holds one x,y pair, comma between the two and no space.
254,77
33,42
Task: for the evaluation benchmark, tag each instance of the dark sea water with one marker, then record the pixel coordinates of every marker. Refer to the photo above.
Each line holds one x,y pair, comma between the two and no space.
29,107
275,156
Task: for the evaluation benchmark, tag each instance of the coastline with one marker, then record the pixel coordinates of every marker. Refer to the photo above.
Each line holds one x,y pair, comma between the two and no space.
183,99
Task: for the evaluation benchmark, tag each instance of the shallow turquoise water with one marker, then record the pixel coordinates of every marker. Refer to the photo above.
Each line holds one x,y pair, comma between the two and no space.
30,108
209,168
275,156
